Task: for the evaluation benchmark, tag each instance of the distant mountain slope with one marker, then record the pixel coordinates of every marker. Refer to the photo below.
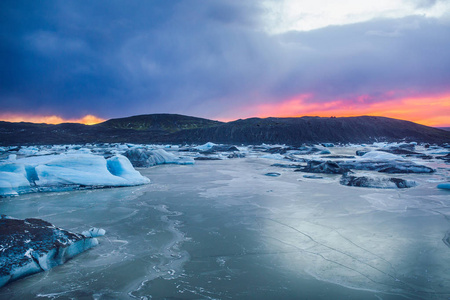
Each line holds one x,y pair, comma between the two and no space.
166,123
168,128
137,129
315,129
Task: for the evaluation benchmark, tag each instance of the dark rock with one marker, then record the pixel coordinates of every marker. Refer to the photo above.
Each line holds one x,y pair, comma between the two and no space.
328,145
34,245
328,167
376,182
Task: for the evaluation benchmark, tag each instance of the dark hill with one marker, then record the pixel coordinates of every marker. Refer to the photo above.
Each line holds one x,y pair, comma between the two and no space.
166,123
315,129
168,128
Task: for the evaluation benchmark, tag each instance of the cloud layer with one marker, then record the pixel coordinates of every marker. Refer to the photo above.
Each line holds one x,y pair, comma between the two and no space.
215,59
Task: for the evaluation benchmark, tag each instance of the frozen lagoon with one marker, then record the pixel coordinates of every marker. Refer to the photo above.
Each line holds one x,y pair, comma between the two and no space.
224,230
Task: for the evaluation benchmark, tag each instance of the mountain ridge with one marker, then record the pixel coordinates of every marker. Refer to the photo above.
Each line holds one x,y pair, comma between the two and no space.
179,129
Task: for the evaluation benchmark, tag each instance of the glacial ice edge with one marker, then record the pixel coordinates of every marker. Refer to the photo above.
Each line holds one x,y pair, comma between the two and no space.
33,245
66,172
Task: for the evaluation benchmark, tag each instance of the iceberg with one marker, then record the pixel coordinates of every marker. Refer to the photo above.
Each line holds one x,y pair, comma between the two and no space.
94,232
385,162
52,172
13,183
328,145
311,150
376,182
221,148
33,245
205,147
328,167
380,155
140,157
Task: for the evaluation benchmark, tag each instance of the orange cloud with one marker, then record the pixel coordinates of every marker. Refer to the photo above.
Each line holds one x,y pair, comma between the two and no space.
430,111
87,120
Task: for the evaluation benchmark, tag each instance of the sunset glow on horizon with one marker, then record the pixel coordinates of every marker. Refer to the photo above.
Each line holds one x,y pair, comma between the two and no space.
429,111
50,119
426,110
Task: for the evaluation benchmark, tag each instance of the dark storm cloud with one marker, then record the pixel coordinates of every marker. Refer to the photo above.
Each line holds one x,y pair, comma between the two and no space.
371,58
202,58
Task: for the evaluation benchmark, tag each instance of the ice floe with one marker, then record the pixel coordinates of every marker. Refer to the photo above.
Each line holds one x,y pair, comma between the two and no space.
33,245
376,182
146,158
53,172
329,167
94,232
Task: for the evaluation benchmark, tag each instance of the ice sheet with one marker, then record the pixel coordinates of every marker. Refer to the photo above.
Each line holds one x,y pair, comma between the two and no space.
222,229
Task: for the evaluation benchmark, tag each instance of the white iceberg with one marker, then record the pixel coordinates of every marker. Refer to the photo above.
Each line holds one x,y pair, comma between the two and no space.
94,232
380,155
11,184
205,147
55,171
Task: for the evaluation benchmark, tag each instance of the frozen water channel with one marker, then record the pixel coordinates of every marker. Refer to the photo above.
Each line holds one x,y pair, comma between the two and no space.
224,230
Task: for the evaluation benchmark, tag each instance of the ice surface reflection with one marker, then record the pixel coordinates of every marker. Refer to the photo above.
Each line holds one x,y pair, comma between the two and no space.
224,230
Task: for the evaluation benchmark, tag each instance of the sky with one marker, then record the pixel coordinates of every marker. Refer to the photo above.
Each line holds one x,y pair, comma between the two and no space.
87,61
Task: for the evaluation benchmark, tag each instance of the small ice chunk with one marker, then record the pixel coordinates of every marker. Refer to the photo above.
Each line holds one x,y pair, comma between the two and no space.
444,186
205,147
94,232
272,174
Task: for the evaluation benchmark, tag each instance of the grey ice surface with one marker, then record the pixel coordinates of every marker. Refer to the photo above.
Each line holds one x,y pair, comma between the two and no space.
223,230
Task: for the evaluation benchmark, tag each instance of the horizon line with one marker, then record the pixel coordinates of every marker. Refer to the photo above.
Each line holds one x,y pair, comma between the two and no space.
90,120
